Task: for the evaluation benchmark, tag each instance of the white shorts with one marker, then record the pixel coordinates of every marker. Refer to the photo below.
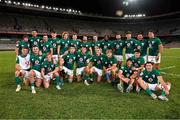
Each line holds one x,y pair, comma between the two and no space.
153,86
145,58
119,57
129,55
68,71
79,70
37,74
25,73
48,77
55,57
99,71
153,59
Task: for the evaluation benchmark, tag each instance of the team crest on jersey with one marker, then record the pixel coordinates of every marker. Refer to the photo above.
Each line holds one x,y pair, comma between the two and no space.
36,62
131,42
142,44
139,47
81,59
44,48
150,79
128,45
153,76
27,63
117,46
35,43
54,44
70,60
105,46
66,45
99,62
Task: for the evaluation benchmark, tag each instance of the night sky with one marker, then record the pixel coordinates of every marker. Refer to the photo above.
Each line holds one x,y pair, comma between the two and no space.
109,7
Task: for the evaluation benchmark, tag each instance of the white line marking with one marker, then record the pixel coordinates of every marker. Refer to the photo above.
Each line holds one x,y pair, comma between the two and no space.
168,67
172,74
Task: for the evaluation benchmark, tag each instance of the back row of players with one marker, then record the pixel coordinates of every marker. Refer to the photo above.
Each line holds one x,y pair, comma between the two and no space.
42,60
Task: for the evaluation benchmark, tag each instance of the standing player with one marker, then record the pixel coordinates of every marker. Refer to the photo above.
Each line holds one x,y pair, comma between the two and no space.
35,73
21,44
85,43
74,41
130,45
35,40
46,46
55,43
64,44
124,75
155,49
82,59
106,44
151,80
67,63
95,43
49,70
142,46
118,46
22,68
110,68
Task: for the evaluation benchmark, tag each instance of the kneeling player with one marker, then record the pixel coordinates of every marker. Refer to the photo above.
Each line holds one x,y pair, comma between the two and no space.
124,75
96,64
49,71
151,80
35,73
110,63
22,68
67,63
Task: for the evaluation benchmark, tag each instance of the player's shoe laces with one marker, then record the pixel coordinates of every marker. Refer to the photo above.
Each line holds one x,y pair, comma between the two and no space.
164,98
58,87
154,96
130,87
86,82
18,88
120,88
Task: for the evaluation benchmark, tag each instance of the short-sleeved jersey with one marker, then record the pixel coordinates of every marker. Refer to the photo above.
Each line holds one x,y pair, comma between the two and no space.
118,46
69,60
130,45
150,77
36,61
49,66
142,46
106,45
137,62
81,59
23,61
95,44
22,44
35,41
108,62
154,46
126,71
54,43
64,45
98,61
45,47
75,43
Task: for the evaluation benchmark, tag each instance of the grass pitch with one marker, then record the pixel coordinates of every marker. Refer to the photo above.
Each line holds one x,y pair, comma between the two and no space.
77,101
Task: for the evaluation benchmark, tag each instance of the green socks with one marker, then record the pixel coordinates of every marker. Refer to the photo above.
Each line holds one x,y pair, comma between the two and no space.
18,81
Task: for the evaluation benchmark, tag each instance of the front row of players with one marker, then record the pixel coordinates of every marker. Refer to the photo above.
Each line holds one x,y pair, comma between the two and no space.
37,69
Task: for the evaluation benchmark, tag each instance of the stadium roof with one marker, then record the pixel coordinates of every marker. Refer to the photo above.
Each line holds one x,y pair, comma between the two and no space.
109,7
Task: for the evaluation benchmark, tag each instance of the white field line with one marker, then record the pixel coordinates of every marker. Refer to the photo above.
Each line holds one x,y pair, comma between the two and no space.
172,74
168,67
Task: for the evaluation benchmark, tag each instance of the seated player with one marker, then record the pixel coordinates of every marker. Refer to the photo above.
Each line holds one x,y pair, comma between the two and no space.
110,68
35,73
22,68
125,74
96,64
49,71
67,63
82,58
138,64
151,80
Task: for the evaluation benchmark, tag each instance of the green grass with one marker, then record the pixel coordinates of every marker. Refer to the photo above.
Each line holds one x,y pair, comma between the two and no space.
87,102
